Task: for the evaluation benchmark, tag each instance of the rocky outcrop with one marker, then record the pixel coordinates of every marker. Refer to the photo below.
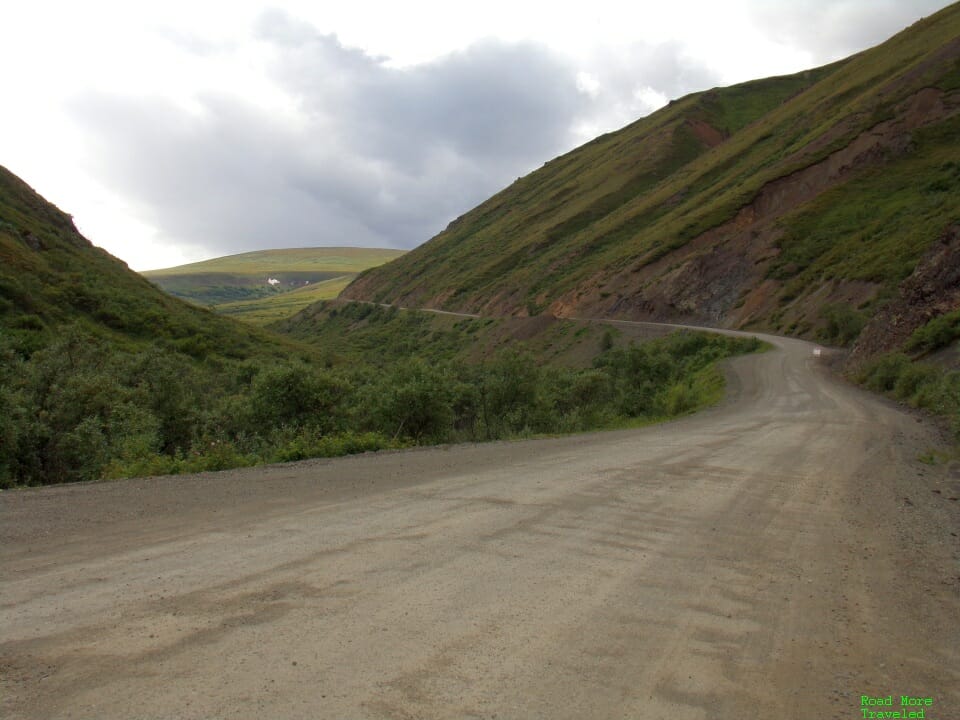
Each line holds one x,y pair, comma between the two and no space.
764,228
931,290
714,278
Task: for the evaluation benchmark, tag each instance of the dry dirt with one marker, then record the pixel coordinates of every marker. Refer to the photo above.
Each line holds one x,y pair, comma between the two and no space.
775,557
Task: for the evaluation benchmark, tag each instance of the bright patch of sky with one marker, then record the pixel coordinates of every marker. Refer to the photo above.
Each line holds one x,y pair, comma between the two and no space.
179,131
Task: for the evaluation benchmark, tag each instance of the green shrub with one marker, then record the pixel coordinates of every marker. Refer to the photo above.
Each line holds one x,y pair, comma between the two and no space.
843,324
883,373
309,444
508,389
296,394
414,401
80,409
913,379
923,386
680,398
936,334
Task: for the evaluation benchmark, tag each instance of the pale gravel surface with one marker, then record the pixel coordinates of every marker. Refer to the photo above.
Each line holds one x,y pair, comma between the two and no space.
774,557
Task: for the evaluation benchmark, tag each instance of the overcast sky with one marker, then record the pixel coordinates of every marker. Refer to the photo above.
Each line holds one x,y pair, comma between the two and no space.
176,131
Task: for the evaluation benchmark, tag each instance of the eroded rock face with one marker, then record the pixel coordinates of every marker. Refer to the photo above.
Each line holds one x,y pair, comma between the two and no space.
719,278
931,290
642,262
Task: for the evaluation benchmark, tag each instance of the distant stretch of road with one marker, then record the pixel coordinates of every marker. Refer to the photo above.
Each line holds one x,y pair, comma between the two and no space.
782,555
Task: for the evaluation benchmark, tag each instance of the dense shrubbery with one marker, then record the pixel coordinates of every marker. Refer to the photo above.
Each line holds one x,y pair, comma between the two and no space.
80,409
917,384
842,325
936,334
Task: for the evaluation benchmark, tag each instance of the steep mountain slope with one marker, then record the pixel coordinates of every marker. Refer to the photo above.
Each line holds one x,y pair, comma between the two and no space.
102,374
772,204
266,273
51,276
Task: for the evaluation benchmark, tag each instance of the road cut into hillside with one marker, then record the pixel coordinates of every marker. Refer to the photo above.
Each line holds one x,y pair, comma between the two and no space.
782,555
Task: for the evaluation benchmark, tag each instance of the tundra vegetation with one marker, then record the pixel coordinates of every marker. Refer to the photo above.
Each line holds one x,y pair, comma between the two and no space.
82,409
102,375
690,213
254,285
923,374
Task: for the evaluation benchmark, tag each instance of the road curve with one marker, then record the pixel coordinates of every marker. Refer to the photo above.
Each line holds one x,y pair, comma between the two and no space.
777,556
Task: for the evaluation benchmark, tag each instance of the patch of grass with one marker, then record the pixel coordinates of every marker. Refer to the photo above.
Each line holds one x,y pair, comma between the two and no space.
283,305
265,274
877,227
917,384
936,334
936,457
341,260
842,326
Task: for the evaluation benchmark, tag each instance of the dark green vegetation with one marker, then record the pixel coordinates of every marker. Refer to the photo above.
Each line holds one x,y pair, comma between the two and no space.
938,333
758,205
282,305
102,375
51,276
352,332
808,205
925,374
812,204
921,385
81,410
236,280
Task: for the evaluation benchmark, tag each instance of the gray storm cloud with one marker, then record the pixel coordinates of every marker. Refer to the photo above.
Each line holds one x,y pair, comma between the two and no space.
376,155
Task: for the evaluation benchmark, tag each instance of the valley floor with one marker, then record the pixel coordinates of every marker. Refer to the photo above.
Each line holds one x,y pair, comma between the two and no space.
780,555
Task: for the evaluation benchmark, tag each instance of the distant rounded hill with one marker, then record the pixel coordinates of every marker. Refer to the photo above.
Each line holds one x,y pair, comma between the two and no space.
268,285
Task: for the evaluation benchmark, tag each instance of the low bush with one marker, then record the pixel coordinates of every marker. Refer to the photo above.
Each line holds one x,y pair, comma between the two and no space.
938,333
843,325
922,386
81,410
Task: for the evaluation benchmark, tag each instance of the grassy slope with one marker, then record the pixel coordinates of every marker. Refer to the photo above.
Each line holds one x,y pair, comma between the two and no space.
627,199
92,384
50,275
236,278
527,234
575,361
272,308
351,333
344,260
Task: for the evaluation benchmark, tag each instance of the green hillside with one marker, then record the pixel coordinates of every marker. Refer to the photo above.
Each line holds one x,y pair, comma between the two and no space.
821,204
774,204
102,375
279,306
265,274
51,276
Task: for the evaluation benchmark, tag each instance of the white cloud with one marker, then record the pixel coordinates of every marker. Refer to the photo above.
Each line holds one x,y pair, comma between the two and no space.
377,155
186,129
832,29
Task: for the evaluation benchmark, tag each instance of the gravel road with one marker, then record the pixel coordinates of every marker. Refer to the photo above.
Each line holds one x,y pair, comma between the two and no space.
777,556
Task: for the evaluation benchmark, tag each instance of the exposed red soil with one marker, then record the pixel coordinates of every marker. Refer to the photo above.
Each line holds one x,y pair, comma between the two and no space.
718,278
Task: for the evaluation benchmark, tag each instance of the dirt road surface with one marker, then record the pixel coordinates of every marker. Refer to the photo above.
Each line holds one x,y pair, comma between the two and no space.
775,557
